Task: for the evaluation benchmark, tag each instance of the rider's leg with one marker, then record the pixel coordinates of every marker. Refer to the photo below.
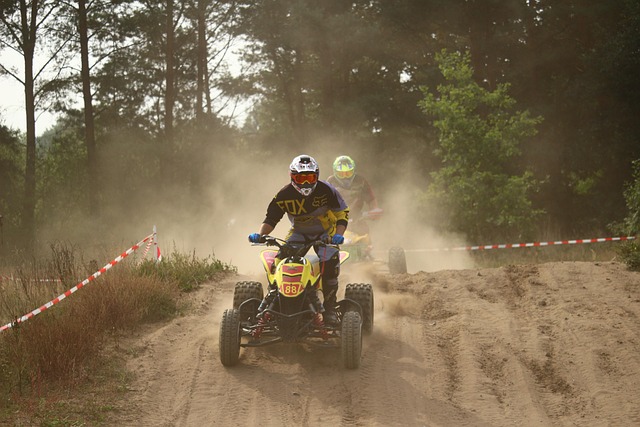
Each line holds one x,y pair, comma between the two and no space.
268,297
330,268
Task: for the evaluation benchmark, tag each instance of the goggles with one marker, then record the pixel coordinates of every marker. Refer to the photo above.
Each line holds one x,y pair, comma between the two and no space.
304,178
344,174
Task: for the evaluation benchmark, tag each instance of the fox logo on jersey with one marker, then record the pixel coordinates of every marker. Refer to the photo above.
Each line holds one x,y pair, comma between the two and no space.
294,207
319,201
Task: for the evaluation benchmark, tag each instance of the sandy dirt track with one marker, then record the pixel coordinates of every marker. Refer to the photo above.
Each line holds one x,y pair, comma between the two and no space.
554,344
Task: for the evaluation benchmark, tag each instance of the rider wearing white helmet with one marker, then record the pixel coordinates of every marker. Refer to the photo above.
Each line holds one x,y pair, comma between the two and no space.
316,212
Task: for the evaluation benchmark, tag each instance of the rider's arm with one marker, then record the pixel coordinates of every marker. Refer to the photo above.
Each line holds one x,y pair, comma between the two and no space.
373,203
266,229
369,196
341,211
274,214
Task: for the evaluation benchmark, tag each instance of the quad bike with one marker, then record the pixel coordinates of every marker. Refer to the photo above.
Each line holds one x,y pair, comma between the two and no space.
360,248
291,311
358,243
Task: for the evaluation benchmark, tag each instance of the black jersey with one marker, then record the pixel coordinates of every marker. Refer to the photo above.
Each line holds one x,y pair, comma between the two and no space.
317,213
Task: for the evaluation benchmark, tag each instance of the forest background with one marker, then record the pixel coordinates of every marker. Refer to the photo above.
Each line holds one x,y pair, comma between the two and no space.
483,120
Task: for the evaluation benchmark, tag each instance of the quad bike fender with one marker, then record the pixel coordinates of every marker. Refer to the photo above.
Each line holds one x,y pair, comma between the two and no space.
315,261
348,304
268,257
343,256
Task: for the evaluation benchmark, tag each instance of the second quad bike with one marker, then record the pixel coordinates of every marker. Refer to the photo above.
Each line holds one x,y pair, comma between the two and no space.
356,238
359,244
291,310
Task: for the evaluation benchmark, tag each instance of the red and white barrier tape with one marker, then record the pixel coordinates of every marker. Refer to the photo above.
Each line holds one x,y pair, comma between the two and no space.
146,249
526,245
78,286
153,241
17,279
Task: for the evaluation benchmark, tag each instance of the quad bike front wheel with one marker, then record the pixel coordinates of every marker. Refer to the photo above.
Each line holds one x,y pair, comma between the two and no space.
362,293
397,261
229,340
351,336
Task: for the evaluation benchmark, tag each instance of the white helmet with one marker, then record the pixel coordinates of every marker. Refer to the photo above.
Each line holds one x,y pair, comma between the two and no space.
304,172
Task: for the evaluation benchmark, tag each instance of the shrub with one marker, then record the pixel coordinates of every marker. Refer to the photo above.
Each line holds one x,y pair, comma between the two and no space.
630,251
630,254
478,189
63,343
187,270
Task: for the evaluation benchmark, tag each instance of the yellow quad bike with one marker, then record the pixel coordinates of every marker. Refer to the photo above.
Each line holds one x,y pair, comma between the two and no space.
358,244
291,311
361,250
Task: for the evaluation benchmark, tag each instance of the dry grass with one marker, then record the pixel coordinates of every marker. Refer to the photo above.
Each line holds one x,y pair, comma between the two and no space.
48,362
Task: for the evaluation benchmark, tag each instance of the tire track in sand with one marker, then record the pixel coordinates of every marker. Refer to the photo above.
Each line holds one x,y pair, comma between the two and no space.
485,347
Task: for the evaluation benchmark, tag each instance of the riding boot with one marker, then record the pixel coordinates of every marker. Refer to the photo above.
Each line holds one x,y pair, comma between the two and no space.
268,299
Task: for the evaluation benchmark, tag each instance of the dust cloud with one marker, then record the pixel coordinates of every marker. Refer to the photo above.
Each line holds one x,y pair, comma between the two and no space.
225,230
230,202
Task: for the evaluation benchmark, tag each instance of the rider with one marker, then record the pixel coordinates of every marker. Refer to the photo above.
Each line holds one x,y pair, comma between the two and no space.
356,192
317,212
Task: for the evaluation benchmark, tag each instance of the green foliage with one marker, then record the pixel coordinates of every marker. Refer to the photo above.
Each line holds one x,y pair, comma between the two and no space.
62,184
186,270
631,224
480,134
11,161
630,254
630,251
347,75
584,186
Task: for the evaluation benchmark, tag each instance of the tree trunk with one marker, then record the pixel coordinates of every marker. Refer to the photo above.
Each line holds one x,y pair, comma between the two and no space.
169,100
202,57
29,42
327,86
89,128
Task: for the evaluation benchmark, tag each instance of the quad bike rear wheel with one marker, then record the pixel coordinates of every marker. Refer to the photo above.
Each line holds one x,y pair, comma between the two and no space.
229,340
351,336
245,291
397,261
362,293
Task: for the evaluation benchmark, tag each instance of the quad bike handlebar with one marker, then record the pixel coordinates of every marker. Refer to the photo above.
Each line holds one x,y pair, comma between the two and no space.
370,215
373,214
294,248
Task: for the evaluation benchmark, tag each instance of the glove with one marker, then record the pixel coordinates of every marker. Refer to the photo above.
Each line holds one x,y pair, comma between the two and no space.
337,239
255,237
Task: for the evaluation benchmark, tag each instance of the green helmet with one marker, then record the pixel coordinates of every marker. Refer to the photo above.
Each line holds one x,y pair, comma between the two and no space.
344,170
